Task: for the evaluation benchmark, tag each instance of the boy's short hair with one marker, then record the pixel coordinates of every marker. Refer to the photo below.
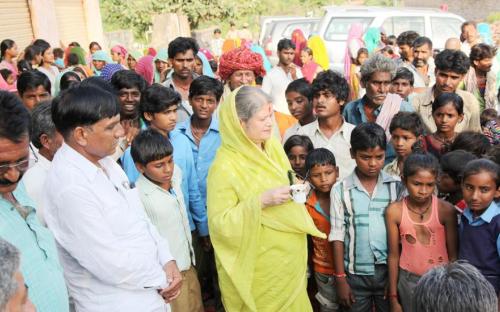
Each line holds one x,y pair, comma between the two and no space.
408,121
158,98
150,145
405,74
471,141
493,154
452,163
452,60
73,59
488,115
298,140
128,79
301,86
320,157
181,45
58,53
285,44
366,136
217,31
32,79
205,85
334,82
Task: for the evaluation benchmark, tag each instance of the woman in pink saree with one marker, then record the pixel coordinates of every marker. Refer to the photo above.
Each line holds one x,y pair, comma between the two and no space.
9,52
300,42
353,44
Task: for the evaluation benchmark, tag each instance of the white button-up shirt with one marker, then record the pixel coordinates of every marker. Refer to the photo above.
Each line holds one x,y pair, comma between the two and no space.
293,130
339,144
275,83
34,180
112,255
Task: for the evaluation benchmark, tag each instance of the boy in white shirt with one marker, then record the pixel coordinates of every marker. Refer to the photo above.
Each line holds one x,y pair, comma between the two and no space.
160,191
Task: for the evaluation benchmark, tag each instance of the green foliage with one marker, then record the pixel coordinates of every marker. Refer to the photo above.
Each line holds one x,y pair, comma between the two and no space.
379,2
493,17
137,15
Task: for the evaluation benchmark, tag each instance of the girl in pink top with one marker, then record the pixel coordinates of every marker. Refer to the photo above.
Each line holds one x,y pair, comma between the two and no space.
424,226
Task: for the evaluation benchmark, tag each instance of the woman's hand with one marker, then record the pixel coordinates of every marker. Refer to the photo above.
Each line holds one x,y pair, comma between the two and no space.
274,197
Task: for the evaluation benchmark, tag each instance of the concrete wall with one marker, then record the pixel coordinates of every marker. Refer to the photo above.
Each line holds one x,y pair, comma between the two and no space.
45,25
44,21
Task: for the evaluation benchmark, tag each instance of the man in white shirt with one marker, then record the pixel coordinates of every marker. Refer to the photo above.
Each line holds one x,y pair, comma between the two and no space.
276,80
330,92
113,257
47,140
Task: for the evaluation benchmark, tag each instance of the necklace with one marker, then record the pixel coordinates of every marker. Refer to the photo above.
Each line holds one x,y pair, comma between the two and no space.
421,214
197,133
444,140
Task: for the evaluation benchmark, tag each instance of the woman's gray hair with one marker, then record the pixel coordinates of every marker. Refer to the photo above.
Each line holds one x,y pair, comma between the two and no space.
249,100
9,265
377,63
457,286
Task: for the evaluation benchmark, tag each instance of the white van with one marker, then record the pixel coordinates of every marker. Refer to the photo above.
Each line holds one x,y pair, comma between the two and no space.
432,23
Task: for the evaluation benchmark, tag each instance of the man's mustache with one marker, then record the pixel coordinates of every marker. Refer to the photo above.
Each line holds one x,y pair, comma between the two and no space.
4,182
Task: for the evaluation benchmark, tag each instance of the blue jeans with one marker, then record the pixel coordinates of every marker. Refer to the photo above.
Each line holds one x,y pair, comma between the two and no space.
327,295
369,290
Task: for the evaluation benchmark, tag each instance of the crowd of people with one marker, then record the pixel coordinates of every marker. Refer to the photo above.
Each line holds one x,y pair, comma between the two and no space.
193,180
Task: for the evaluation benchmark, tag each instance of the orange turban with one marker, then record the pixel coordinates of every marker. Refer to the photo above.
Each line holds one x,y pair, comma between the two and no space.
240,59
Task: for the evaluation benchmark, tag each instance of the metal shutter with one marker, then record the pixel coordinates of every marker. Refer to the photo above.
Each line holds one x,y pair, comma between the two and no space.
15,22
71,21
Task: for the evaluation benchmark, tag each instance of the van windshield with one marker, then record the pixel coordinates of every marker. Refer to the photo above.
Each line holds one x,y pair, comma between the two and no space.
339,27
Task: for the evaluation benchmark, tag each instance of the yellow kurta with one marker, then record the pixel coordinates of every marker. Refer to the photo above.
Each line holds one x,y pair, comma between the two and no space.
261,254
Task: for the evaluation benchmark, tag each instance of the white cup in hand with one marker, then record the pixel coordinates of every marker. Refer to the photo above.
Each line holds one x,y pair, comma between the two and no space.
299,192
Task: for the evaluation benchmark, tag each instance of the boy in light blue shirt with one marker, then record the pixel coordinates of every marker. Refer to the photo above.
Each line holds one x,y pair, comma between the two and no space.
202,130
358,230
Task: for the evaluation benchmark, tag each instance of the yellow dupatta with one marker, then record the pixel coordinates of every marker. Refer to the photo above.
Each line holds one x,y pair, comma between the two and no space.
320,53
261,254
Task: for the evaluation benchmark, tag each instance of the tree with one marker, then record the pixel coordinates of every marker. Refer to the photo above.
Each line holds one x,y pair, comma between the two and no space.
137,15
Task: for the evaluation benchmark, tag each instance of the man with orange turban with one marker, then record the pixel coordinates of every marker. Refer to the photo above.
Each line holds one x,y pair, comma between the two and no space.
240,67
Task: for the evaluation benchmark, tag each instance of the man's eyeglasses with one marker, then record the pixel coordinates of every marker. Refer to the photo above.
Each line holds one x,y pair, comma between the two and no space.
21,166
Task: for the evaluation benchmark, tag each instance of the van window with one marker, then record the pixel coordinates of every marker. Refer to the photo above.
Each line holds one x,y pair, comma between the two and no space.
306,27
339,26
398,24
444,28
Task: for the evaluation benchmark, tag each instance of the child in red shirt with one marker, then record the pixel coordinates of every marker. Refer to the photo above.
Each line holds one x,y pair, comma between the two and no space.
322,173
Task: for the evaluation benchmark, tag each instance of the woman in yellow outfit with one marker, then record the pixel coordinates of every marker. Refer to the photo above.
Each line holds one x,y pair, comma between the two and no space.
258,233
320,53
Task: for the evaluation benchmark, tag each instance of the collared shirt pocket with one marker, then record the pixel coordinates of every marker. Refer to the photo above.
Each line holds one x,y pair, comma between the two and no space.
123,215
